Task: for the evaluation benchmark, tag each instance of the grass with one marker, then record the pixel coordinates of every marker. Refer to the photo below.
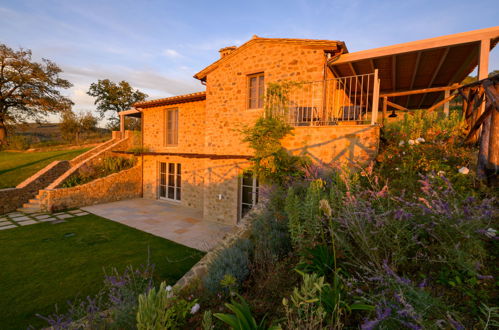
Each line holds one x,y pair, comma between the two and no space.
15,167
42,266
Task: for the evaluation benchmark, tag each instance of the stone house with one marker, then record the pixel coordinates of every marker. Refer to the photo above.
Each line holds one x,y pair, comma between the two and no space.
193,150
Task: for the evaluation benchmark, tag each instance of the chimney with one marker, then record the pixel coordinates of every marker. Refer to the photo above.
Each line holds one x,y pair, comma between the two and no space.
226,51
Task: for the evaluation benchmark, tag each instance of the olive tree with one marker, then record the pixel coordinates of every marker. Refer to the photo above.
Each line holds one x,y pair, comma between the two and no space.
29,90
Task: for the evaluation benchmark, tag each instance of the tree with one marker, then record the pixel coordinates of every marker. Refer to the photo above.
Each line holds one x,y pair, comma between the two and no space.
113,98
28,90
74,125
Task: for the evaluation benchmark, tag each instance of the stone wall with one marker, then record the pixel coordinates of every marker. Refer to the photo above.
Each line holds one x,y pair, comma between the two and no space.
123,144
13,198
227,88
331,145
117,186
191,128
193,174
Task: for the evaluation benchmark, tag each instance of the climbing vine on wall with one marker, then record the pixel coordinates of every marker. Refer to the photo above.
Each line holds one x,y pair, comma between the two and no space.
272,163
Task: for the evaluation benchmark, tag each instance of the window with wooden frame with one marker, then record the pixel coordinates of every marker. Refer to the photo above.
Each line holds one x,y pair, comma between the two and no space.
172,127
256,89
170,181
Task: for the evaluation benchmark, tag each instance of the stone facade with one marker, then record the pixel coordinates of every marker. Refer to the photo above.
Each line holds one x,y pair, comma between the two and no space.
13,198
117,186
210,147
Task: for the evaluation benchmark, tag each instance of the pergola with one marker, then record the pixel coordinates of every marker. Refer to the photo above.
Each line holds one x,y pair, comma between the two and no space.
420,74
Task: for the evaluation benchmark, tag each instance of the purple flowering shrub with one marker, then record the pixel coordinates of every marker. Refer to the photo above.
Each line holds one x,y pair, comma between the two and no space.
114,306
422,259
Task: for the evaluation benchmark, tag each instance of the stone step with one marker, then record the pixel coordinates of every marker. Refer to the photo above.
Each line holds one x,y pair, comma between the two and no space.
29,209
31,205
34,201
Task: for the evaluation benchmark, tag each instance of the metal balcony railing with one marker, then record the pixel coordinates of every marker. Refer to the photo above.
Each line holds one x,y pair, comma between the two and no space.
353,100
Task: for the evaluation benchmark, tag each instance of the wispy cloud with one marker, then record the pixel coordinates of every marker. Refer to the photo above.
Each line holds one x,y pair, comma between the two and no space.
171,53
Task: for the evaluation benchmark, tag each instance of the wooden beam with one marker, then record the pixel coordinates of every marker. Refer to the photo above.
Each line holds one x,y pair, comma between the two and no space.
350,65
436,105
374,111
373,67
493,161
394,72
421,91
446,104
435,73
396,106
483,62
443,41
467,63
483,72
413,78
335,72
385,107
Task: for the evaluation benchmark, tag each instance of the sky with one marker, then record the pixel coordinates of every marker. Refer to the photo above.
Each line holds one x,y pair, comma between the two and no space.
158,46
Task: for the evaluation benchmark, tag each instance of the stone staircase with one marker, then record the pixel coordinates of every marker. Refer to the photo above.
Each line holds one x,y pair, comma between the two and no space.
33,205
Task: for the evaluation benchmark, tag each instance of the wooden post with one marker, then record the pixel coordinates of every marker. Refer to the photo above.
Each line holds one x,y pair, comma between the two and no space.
385,107
493,161
374,116
483,71
122,126
446,104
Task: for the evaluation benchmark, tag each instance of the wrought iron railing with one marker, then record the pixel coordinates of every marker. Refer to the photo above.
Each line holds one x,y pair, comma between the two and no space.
347,99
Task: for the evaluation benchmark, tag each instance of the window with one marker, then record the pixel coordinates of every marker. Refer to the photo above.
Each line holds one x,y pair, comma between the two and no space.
255,91
172,127
248,193
170,181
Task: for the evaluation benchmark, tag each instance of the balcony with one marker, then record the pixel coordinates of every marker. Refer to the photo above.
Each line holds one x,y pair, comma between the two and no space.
349,100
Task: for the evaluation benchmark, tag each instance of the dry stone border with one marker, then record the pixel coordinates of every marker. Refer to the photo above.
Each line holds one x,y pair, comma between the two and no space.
18,219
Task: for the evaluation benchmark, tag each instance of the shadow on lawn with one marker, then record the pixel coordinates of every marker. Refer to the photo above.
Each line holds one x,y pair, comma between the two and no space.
34,162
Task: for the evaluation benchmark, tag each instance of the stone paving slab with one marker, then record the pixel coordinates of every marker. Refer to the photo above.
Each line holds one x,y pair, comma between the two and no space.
15,214
48,219
8,227
29,222
15,219
19,219
174,222
43,216
81,213
65,216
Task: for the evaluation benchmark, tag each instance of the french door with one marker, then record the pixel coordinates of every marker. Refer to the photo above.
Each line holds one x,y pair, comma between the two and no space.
248,193
170,181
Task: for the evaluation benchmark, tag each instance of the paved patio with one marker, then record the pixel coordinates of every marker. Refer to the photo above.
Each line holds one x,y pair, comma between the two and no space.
176,223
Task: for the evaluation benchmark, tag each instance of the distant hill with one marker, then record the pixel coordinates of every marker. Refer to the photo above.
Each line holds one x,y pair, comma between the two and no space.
45,131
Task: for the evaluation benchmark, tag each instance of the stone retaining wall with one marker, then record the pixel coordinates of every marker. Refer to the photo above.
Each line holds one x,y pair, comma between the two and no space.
13,198
126,184
115,145
199,270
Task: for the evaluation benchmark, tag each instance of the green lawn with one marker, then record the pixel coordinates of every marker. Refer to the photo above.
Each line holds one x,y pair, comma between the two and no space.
15,167
41,267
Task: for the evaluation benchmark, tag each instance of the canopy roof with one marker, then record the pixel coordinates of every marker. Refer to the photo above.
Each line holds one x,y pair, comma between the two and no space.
428,63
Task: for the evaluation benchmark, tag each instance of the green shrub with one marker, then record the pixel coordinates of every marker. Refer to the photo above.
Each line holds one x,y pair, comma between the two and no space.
233,261
161,309
242,319
19,142
304,309
305,221
107,166
270,237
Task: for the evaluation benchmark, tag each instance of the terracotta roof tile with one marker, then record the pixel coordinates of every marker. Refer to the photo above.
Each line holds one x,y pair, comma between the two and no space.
192,97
